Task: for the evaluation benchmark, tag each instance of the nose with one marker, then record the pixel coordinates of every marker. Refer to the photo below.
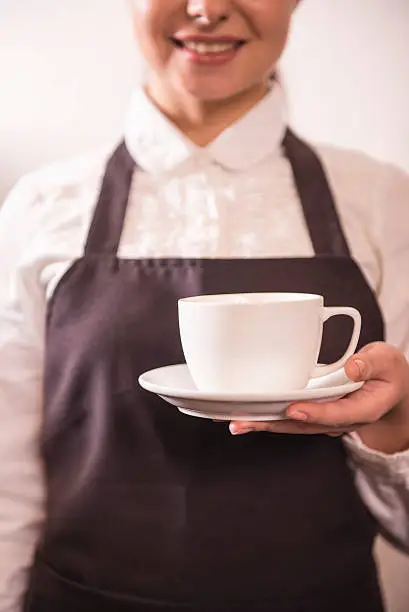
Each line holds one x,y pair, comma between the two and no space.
208,12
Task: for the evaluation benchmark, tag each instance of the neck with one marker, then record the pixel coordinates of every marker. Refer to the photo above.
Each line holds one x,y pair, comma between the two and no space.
203,121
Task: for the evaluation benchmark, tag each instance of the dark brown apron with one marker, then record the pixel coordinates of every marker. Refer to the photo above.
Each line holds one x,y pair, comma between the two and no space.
149,510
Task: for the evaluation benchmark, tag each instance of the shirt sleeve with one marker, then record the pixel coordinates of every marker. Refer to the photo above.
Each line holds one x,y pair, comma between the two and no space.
393,253
22,317
383,483
383,480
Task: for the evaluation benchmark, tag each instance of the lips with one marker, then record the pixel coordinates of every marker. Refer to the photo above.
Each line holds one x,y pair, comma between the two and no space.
208,46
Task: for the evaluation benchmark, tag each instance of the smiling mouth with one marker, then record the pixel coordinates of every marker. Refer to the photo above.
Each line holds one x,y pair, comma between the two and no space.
207,48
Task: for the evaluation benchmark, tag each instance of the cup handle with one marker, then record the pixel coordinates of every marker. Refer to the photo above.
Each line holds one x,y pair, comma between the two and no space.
323,370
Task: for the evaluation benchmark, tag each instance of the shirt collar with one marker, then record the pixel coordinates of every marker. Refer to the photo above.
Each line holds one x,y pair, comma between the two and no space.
157,145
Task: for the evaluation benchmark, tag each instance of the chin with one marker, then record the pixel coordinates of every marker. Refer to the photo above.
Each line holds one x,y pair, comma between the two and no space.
213,91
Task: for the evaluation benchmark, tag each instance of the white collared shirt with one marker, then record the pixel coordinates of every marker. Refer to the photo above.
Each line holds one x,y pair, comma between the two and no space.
234,198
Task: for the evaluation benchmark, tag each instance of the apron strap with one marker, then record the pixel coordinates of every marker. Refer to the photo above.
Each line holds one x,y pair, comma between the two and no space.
320,213
105,230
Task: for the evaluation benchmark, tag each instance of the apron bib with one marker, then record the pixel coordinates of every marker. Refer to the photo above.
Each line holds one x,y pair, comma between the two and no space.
152,511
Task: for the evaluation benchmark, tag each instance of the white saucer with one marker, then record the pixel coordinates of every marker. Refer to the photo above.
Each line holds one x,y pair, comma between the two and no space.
174,384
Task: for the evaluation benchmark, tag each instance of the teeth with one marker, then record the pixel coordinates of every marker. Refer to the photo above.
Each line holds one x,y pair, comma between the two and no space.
203,48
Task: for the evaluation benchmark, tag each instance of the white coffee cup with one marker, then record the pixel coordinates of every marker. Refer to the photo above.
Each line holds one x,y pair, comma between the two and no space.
257,342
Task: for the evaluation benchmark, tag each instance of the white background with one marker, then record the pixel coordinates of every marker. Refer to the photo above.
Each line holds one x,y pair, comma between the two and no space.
67,68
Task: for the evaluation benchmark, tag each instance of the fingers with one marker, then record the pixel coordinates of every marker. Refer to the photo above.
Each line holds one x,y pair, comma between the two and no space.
281,427
367,405
386,375
364,406
385,372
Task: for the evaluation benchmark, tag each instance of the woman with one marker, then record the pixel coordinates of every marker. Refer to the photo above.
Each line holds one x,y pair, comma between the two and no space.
140,508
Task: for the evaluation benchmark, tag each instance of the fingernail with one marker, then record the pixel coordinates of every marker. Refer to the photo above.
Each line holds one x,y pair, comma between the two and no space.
298,415
361,367
237,431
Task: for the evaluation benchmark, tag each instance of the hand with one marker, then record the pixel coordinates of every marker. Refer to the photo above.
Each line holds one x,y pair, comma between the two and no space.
379,411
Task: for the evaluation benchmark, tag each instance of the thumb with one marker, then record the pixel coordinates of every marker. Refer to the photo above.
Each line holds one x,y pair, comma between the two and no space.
375,361
358,368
